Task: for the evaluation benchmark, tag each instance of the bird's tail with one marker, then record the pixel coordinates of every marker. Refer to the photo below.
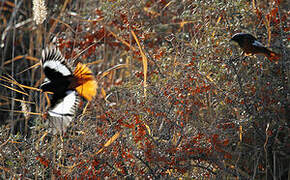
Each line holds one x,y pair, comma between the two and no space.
272,56
86,84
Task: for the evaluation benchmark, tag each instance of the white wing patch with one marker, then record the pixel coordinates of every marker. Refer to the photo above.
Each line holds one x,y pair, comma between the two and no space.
53,59
257,43
62,114
46,81
57,66
66,107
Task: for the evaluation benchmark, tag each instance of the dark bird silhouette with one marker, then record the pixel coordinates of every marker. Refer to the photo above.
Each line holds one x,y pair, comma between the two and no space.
66,86
250,45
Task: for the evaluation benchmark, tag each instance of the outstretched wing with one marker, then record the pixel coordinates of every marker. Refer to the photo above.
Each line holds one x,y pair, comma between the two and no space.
53,63
63,112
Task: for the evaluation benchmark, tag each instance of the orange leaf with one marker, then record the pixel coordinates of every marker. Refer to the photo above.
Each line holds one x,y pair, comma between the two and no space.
228,156
43,161
144,60
109,142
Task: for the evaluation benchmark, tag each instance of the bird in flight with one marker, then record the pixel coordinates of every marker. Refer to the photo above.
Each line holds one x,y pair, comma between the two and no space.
250,45
66,84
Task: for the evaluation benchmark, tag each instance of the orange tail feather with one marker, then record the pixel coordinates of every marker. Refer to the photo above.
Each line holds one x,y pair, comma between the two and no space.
86,82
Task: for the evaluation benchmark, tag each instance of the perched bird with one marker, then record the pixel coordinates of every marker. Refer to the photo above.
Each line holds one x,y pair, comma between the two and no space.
66,86
250,45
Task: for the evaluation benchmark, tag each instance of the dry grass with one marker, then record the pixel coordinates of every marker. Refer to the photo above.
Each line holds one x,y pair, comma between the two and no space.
175,98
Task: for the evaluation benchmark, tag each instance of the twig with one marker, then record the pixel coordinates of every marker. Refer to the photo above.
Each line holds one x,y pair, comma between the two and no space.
243,93
147,165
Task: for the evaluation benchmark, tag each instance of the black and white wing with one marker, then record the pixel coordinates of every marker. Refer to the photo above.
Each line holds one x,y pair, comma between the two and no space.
57,74
53,63
63,112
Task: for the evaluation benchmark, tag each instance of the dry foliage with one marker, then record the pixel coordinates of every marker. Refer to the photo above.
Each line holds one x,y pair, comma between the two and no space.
175,98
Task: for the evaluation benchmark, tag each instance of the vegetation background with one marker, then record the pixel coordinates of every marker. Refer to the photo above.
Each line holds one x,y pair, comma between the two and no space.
175,98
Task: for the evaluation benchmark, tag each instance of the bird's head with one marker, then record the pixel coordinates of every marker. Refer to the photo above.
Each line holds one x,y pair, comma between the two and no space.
237,37
240,37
